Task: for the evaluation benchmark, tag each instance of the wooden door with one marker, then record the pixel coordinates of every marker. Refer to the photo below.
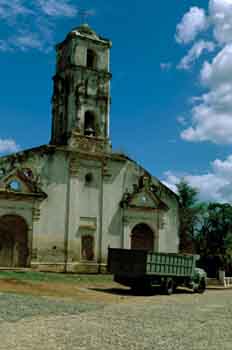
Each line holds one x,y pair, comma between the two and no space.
142,237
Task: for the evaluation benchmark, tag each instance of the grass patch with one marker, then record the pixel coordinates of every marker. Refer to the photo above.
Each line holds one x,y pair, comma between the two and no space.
15,307
38,277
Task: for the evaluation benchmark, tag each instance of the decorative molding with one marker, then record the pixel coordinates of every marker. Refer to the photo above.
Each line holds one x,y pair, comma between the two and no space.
143,197
105,170
29,197
89,223
74,166
35,214
34,254
136,218
88,144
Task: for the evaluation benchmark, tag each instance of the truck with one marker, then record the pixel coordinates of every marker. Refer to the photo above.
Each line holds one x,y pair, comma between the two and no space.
141,270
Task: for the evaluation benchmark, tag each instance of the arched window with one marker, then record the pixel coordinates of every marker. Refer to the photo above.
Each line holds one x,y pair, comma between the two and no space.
89,124
91,59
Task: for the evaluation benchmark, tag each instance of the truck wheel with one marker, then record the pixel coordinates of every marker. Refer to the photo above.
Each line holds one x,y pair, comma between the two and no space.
201,287
168,286
136,289
175,286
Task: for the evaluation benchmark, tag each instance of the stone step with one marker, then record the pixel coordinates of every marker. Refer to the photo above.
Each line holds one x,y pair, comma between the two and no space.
213,282
16,269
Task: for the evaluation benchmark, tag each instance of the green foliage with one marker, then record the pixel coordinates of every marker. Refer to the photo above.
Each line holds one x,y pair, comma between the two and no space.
190,211
214,236
187,194
205,228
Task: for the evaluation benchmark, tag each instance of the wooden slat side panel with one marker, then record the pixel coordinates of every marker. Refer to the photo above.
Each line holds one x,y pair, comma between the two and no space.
170,264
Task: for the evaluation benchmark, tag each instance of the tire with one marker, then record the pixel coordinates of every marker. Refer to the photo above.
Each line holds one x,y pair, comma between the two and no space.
175,287
136,289
201,287
168,286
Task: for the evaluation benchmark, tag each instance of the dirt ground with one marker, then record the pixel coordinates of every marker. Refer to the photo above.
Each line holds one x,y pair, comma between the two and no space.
93,292
107,292
94,316
93,313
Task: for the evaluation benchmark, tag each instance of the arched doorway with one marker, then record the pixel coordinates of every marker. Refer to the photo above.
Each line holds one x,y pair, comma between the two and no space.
142,237
13,241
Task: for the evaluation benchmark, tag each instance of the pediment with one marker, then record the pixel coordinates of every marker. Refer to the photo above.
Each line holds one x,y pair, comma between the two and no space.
143,199
14,183
19,183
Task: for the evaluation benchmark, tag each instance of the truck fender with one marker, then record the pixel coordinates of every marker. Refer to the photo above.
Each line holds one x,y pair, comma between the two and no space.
200,287
199,281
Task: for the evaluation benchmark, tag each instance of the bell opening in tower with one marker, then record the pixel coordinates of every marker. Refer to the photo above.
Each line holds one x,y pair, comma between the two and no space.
89,124
91,59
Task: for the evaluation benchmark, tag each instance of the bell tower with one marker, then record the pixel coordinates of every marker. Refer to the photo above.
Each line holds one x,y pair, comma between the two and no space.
81,97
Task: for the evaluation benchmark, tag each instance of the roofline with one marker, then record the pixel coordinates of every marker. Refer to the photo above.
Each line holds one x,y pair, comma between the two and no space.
115,155
26,151
124,156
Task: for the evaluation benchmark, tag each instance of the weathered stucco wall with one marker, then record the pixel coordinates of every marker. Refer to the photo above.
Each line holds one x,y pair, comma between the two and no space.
49,229
118,223
82,215
113,186
169,232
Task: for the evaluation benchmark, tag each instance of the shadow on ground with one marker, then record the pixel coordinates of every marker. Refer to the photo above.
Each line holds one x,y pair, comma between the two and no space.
129,292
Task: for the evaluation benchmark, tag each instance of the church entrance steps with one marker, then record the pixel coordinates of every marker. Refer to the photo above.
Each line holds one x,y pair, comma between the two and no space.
16,269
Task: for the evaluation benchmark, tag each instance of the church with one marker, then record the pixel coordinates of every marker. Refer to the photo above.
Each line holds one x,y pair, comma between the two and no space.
63,204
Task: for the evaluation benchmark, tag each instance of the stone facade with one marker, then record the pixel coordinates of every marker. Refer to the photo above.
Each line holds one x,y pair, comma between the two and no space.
63,204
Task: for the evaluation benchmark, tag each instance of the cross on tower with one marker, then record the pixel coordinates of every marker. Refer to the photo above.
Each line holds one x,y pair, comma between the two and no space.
84,14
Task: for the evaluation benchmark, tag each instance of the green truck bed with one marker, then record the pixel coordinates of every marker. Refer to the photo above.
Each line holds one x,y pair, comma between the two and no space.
129,262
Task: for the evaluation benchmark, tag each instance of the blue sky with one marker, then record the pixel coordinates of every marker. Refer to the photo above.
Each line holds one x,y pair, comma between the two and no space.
171,88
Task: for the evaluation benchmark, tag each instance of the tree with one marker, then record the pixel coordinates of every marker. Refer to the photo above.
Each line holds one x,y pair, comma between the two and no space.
205,229
189,212
214,237
187,194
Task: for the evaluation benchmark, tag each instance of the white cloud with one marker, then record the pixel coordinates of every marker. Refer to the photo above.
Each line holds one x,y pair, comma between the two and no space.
57,8
211,115
166,65
192,23
181,120
4,46
31,24
195,52
220,12
13,8
220,70
223,168
8,146
53,8
26,41
216,185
